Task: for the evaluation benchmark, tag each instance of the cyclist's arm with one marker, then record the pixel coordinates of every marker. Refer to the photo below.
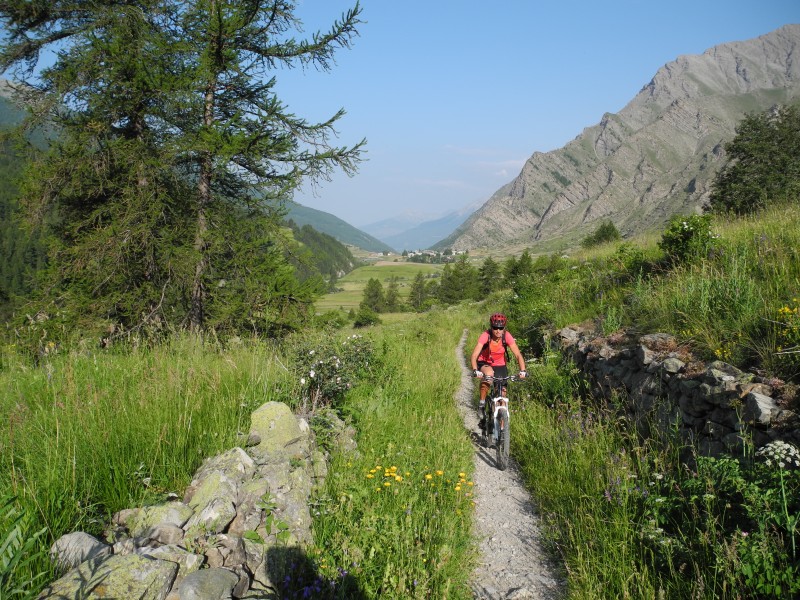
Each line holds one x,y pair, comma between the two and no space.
518,355
475,353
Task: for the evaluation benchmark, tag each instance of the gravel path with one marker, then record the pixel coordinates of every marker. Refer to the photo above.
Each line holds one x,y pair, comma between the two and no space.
512,563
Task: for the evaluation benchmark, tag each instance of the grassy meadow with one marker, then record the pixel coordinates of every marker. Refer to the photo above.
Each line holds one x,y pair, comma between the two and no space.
352,285
88,432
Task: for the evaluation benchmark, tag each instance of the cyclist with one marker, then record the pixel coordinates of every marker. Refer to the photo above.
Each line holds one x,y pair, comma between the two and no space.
489,356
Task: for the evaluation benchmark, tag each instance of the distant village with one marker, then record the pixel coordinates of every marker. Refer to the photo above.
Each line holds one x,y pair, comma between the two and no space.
420,256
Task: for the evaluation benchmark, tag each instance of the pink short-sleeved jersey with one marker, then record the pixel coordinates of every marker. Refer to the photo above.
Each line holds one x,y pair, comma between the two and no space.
494,354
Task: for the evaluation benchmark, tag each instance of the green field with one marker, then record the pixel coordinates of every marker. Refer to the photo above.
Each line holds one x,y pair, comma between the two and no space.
353,283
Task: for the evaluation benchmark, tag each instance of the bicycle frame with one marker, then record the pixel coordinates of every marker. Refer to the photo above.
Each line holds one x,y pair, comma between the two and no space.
497,418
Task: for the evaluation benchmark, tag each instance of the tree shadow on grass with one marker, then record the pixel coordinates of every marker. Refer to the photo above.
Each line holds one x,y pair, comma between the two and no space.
295,575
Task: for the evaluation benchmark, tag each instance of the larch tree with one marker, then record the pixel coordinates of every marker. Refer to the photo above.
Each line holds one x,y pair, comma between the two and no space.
172,155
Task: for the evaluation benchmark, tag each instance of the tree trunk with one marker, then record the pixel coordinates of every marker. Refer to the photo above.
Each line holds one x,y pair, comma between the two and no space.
197,312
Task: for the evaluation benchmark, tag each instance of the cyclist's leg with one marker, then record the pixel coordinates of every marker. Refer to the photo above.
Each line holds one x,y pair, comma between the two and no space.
485,386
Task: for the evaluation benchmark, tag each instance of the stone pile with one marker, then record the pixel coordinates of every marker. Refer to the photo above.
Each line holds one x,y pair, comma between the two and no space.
243,524
715,407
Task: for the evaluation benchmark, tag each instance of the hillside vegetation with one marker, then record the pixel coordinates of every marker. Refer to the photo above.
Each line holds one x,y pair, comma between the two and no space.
410,538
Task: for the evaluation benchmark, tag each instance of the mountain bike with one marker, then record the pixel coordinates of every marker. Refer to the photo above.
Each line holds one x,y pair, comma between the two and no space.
496,419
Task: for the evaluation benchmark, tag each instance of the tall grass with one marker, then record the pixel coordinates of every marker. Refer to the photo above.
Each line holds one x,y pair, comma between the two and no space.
398,517
85,435
728,303
633,520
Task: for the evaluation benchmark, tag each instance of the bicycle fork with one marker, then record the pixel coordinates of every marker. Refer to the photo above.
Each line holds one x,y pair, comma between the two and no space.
500,416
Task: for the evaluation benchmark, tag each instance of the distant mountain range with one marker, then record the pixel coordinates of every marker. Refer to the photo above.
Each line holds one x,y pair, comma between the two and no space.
655,158
411,231
335,227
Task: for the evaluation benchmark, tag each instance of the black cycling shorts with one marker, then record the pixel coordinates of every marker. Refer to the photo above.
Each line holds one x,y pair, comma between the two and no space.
499,370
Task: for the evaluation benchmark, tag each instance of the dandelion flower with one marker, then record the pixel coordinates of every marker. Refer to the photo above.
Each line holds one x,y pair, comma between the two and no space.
428,476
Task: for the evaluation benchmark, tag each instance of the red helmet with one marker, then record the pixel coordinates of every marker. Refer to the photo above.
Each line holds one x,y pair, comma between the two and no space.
497,320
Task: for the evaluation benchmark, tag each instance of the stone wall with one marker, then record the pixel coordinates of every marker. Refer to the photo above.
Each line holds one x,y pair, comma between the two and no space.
240,529
664,389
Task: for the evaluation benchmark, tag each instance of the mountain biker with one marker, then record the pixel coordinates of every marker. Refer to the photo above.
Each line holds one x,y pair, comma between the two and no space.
489,356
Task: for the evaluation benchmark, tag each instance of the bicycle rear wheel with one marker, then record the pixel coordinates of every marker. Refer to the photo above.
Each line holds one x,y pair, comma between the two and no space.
503,439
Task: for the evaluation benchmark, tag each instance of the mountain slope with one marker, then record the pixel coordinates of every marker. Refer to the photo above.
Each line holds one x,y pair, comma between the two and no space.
654,158
408,233
334,227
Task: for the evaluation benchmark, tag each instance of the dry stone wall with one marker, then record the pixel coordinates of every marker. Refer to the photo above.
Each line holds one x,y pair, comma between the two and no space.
242,525
663,389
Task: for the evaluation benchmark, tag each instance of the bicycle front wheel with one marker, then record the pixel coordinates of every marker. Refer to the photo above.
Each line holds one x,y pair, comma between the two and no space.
503,439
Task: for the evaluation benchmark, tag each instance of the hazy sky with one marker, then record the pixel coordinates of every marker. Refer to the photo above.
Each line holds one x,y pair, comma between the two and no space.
453,96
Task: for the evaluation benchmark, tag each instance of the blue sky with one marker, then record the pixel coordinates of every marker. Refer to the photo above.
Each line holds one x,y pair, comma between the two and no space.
454,96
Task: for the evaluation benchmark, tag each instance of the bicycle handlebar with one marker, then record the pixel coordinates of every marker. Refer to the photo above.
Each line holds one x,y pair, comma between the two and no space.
502,379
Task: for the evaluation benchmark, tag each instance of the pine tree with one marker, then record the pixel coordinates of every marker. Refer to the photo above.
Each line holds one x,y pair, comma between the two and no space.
419,293
489,276
374,298
392,299
174,154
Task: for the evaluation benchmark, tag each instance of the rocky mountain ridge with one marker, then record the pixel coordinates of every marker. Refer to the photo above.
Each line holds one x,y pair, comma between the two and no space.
655,158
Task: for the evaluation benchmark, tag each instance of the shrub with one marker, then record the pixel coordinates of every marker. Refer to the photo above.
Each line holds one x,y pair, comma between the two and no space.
687,237
327,368
366,317
605,232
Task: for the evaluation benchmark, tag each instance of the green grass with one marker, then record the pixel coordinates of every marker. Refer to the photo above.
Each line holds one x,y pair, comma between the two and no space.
88,433
92,433
398,517
353,284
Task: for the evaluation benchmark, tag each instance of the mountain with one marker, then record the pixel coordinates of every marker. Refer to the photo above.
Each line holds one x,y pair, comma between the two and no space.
397,224
418,232
655,158
334,227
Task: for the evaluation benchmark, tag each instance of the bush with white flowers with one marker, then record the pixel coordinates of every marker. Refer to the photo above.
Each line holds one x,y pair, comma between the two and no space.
328,367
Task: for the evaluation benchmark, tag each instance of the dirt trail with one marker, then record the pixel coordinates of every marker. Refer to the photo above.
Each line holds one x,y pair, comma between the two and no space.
512,563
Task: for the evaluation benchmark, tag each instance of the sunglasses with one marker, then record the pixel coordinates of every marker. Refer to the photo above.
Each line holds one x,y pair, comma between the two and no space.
496,327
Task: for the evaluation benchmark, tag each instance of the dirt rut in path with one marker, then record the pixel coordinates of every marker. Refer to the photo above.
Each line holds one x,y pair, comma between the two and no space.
512,563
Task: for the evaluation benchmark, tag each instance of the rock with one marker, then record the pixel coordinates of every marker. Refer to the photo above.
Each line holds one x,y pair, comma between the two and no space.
759,408
129,576
72,549
149,517
279,431
208,584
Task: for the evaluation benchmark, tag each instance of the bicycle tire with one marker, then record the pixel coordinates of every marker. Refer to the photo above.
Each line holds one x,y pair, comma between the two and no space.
487,425
503,439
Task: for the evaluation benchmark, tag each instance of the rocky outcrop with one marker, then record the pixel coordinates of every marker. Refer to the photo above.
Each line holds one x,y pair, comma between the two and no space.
713,407
243,519
654,158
